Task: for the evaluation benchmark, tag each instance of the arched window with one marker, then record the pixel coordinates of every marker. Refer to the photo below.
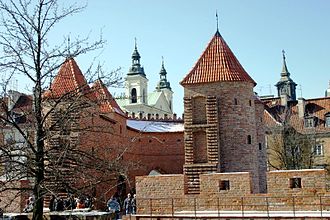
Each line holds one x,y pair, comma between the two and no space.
133,95
143,96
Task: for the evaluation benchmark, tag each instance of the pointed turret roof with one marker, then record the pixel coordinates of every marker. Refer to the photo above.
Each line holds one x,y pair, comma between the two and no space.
217,63
106,101
136,68
285,71
69,80
163,83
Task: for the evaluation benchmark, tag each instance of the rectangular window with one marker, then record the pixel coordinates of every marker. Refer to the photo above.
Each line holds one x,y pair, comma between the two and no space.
309,122
327,121
224,185
318,150
295,183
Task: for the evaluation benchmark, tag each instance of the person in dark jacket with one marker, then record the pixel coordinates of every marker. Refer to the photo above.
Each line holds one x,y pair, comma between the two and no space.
128,204
52,204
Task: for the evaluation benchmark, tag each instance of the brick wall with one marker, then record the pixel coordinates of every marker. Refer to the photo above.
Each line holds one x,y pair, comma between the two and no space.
232,116
165,194
13,200
261,148
239,184
312,182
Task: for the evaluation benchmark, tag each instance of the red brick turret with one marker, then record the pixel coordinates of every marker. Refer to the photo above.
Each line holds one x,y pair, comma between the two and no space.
221,118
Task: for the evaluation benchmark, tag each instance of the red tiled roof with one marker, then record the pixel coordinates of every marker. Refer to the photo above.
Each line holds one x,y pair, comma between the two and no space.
318,108
106,102
69,80
217,63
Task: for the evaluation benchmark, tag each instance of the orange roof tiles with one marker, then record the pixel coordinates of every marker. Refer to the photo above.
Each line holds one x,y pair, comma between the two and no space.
69,80
313,107
217,63
106,102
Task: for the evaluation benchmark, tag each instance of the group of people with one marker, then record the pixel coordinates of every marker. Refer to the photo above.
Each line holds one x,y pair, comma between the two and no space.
71,202
129,205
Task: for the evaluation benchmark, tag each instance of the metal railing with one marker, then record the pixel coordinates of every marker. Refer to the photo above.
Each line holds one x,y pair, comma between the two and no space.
234,207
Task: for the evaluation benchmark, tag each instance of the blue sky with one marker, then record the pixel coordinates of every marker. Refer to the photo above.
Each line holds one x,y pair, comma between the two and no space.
179,30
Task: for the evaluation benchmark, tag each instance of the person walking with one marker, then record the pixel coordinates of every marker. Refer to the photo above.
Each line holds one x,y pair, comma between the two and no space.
128,204
113,206
134,204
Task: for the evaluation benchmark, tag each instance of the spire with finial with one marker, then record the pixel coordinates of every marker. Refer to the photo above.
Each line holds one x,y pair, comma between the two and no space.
286,87
69,53
285,71
136,68
216,15
163,83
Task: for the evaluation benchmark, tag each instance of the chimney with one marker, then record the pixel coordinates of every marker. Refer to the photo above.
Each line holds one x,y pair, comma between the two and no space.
301,107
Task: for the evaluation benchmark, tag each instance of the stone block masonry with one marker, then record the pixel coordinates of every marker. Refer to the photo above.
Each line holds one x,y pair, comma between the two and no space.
165,194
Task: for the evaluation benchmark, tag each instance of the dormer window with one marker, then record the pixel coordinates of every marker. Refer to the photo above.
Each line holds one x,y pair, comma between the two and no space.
327,119
310,122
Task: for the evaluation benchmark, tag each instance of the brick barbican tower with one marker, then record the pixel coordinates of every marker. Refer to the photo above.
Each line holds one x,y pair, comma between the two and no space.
223,119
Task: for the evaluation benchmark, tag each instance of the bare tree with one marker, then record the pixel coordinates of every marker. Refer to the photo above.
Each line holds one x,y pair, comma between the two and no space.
288,148
34,151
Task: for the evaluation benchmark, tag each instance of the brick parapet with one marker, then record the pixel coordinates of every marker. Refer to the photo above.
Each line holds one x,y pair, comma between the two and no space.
280,198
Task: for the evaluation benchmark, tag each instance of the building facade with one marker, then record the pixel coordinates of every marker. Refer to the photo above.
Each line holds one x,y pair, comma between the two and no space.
296,125
137,101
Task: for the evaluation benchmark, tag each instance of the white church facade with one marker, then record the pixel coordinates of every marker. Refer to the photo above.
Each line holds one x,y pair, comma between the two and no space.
137,101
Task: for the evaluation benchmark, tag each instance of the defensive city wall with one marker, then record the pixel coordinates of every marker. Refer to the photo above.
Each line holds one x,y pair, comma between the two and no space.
296,190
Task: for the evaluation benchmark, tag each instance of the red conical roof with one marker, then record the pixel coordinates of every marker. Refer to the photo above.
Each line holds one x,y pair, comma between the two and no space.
106,101
217,64
69,80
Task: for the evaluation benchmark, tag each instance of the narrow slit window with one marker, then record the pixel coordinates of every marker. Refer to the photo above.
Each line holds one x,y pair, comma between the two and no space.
249,139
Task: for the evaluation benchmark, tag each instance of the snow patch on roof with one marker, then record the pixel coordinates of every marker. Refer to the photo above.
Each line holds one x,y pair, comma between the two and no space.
155,126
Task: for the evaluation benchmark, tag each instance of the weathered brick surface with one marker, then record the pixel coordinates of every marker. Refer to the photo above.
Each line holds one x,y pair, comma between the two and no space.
14,200
313,182
239,184
232,116
164,195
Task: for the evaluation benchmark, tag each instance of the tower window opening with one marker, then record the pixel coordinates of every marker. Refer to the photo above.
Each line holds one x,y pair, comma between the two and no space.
224,185
133,96
295,183
249,139
235,101
250,103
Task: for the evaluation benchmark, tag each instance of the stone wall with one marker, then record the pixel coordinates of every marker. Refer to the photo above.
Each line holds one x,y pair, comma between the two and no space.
165,194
